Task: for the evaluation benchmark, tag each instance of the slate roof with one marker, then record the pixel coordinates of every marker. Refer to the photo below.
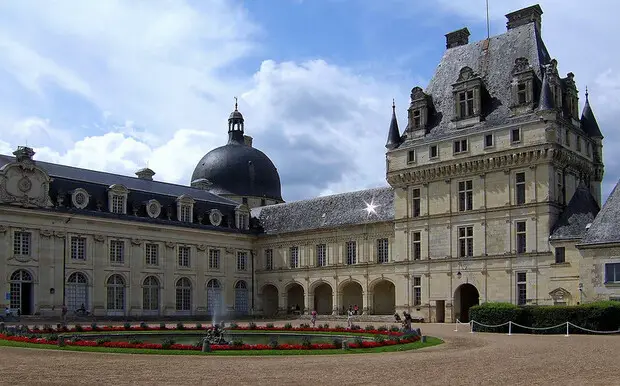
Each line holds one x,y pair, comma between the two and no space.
327,212
605,227
580,211
96,183
494,66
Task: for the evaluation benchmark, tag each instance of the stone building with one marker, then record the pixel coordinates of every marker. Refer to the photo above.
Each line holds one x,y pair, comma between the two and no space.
494,195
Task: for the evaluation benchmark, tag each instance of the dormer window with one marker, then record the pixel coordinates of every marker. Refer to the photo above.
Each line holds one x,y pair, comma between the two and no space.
467,92
522,83
242,217
521,93
418,112
416,119
117,199
185,208
466,104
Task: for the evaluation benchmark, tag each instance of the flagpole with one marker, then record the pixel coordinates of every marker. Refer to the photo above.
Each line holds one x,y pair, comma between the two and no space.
488,23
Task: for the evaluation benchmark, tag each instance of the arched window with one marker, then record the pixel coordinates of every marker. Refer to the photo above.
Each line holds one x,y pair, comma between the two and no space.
241,297
184,294
150,294
21,291
214,297
77,291
116,293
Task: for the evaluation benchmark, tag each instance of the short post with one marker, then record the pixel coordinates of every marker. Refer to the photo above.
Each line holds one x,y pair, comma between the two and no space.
456,327
471,326
509,327
567,325
423,339
61,341
206,346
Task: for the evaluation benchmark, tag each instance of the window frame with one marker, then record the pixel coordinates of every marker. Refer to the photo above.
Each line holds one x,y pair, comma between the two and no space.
268,253
184,255
351,252
151,254
465,235
383,250
411,156
417,291
321,255
465,196
22,243
520,237
293,261
521,288
416,245
430,152
80,246
560,255
615,269
117,251
486,145
515,135
242,261
214,259
461,149
520,188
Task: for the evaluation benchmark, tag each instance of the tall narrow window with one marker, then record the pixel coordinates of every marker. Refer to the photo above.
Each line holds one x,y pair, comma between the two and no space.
411,156
612,273
522,93
415,202
521,237
78,248
579,144
515,135
118,204
466,241
417,290
150,294
567,137
433,152
521,288
21,243
520,188
417,119
242,261
152,254
117,251
183,294
351,252
321,255
416,247
466,104
488,140
460,146
560,255
214,259
294,257
186,213
382,251
269,259
184,256
466,195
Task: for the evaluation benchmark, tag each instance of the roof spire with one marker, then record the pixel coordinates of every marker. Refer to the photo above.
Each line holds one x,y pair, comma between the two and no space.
236,104
588,121
587,93
393,133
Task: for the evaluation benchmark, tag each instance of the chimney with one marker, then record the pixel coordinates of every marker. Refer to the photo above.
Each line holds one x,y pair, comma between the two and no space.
457,38
531,14
247,140
145,174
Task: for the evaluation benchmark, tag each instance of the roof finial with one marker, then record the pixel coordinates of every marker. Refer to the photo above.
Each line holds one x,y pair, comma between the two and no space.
393,104
586,93
235,103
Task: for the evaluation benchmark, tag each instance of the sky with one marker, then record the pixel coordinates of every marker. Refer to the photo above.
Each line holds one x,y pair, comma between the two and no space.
118,85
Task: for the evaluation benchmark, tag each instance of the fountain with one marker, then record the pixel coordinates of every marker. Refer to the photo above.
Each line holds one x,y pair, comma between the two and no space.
215,335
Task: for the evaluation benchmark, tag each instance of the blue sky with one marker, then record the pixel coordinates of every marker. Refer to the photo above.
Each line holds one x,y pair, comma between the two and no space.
115,85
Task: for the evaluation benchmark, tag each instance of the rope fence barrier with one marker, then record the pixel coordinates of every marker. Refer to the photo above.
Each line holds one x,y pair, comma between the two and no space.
473,323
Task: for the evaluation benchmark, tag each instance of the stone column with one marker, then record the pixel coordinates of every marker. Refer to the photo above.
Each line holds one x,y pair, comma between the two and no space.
134,285
97,285
200,262
47,258
168,291
59,252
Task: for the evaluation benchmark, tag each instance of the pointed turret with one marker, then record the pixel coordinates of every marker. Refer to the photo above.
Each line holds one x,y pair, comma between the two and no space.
588,121
393,139
235,126
546,97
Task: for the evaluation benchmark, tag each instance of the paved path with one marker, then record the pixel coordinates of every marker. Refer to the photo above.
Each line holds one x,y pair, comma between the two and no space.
465,359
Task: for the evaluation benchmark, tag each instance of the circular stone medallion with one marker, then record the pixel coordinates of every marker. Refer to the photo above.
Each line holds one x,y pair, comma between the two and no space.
24,184
215,217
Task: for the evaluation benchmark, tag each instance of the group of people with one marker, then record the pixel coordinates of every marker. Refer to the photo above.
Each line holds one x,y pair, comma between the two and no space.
406,320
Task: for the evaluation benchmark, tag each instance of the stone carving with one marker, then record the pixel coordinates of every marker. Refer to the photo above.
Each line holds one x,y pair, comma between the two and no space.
80,198
60,235
99,238
215,217
201,247
417,93
46,233
153,208
23,183
169,244
465,74
60,198
521,65
136,241
229,251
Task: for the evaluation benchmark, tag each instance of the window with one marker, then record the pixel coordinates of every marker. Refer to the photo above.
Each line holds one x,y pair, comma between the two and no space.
416,247
559,178
417,290
515,135
21,243
242,261
186,213
117,251
417,119
466,104
567,137
433,153
214,259
115,293
243,221
78,248
152,254
521,288
411,156
521,237
150,294
263,202
118,204
184,256
520,188
579,144
521,93
244,200
588,149
415,202
612,273
466,241
321,255
466,195
351,252
460,146
488,140
382,251
184,294
560,255
294,257
268,259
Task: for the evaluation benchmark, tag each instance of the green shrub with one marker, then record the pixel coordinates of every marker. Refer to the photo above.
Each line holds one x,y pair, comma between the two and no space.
166,343
394,328
127,326
288,326
34,328
358,341
180,326
237,342
269,325
304,325
102,341
305,342
339,327
135,341
94,327
382,328
337,342
143,325
233,325
252,326
273,342
369,327
379,338
198,326
78,328
162,326
326,325
52,337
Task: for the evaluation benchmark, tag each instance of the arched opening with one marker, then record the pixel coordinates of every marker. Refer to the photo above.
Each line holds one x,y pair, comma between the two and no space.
352,295
295,297
241,297
150,295
21,295
115,290
77,292
465,297
184,295
214,297
323,299
270,300
384,298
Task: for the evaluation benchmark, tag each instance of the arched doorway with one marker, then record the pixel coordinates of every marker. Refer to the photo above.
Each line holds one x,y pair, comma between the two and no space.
214,297
115,291
241,297
384,298
77,291
323,299
465,297
352,295
270,300
21,296
183,296
295,297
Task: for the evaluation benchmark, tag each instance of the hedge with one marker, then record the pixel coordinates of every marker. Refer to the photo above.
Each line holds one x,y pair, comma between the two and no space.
599,316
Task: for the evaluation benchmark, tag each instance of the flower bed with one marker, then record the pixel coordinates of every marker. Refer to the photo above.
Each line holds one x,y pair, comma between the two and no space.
382,337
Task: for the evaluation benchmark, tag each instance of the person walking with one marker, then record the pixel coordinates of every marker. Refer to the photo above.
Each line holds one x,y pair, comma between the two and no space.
313,319
64,314
350,318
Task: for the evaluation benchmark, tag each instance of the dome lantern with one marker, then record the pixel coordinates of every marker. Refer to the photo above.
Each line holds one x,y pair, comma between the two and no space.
235,126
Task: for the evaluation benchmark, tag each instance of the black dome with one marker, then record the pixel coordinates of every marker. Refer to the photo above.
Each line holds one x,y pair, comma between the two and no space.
241,170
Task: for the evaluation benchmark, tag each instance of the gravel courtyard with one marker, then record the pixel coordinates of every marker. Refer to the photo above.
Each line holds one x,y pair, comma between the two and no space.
464,359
